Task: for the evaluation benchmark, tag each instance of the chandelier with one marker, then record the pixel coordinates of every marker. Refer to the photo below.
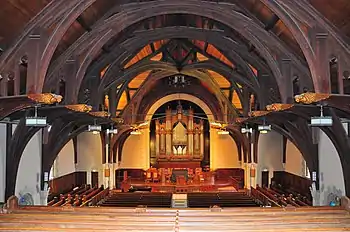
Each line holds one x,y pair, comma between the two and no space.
178,81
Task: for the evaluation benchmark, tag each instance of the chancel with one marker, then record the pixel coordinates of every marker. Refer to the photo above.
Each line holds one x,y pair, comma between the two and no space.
174,115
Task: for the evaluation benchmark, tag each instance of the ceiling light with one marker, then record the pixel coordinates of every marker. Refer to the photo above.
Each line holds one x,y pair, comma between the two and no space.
223,132
136,132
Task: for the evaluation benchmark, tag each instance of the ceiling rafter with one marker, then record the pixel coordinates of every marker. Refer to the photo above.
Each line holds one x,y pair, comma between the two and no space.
159,3
191,29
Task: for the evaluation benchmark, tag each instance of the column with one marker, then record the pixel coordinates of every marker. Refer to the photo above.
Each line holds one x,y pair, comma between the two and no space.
88,177
287,96
253,175
70,70
17,79
196,142
116,167
201,140
341,68
190,133
107,170
252,166
113,100
3,84
157,139
162,141
112,179
146,141
3,148
212,147
246,101
34,59
323,84
247,175
168,131
45,192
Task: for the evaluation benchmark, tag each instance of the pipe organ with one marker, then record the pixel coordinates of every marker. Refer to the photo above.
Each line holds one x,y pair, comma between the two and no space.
180,137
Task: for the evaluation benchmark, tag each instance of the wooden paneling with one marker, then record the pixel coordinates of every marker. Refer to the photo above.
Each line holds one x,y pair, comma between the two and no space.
290,181
67,182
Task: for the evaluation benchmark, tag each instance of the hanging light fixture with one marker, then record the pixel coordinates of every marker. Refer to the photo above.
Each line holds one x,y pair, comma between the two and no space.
264,128
246,130
178,81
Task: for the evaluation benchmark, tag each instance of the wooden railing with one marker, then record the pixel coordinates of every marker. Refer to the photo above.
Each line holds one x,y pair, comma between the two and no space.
235,183
97,198
262,198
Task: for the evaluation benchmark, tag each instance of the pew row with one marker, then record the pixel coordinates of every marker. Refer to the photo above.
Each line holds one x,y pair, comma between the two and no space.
33,218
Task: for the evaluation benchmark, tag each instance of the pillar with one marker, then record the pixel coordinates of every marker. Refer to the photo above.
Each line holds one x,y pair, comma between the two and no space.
252,166
113,100
323,84
88,177
107,169
70,70
3,148
112,178
201,139
252,175
157,138
168,133
190,133
247,175
246,101
212,133
34,62
286,65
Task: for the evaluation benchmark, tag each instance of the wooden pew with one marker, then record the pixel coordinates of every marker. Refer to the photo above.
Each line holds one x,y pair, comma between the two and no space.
233,219
34,218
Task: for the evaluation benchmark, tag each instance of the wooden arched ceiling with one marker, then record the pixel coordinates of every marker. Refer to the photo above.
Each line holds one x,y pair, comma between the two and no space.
258,11
159,51
335,11
14,16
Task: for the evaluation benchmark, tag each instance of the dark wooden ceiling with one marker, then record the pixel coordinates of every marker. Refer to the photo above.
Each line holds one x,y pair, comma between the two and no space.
336,11
15,14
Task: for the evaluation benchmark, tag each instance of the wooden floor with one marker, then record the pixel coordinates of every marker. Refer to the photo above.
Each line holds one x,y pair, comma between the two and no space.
131,219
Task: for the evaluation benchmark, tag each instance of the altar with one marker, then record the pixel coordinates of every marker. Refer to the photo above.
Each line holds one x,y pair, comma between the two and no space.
179,140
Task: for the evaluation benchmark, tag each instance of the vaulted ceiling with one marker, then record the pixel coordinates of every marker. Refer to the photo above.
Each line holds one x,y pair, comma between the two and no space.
179,53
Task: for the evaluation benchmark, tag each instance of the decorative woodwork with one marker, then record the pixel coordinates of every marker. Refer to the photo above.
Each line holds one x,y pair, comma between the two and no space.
179,137
309,98
79,108
258,113
279,107
101,114
45,98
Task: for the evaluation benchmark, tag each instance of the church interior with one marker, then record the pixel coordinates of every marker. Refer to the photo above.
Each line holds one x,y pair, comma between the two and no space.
165,115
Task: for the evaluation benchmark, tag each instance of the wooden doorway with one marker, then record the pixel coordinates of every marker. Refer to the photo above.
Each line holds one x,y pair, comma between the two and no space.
265,179
94,179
